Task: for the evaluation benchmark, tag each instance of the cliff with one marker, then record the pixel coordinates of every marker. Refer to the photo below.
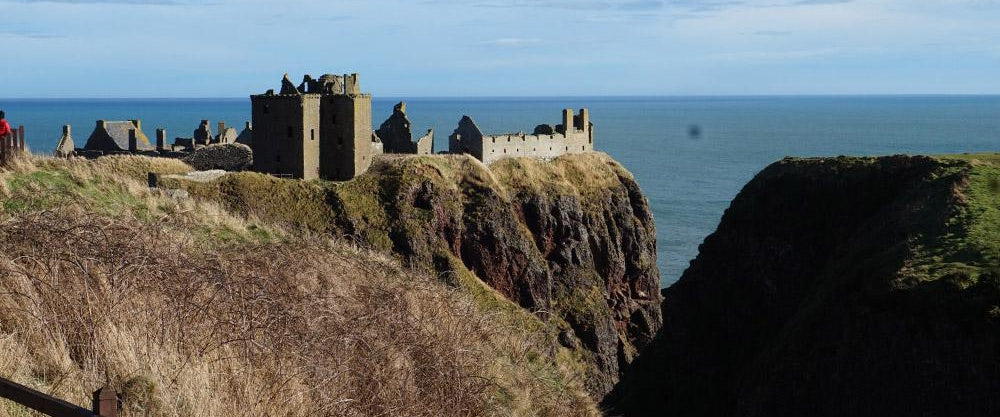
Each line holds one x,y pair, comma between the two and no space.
571,240
187,308
834,287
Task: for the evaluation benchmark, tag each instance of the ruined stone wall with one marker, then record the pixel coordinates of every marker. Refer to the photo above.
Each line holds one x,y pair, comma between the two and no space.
467,138
425,145
286,134
396,134
575,135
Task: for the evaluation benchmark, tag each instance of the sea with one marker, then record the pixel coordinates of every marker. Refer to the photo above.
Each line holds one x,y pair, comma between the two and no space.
690,155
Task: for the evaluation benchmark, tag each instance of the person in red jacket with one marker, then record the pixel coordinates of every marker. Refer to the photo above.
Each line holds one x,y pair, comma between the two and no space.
4,126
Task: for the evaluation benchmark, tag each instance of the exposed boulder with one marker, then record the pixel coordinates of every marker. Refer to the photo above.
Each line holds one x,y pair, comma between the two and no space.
226,156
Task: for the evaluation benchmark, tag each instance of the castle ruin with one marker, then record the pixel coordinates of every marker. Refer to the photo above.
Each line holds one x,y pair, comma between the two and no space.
397,135
574,135
320,129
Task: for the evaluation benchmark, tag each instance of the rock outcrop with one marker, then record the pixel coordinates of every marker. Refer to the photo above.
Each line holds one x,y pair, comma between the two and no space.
571,240
836,287
227,156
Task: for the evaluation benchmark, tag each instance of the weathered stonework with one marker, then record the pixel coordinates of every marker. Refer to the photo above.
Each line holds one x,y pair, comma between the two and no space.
65,147
397,135
110,137
574,135
320,129
203,134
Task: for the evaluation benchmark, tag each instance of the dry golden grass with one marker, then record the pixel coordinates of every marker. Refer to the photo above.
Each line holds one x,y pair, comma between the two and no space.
189,323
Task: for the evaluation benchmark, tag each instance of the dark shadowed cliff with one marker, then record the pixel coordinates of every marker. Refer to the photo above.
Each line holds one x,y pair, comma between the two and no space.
836,287
571,240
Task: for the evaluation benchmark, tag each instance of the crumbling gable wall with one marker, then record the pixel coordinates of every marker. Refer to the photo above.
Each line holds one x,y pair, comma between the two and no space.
113,137
467,138
397,135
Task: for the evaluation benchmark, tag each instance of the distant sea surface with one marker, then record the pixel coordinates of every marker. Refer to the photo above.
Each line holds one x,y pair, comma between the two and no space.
689,179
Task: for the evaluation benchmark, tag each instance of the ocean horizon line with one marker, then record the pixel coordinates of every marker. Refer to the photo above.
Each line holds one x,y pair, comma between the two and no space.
537,97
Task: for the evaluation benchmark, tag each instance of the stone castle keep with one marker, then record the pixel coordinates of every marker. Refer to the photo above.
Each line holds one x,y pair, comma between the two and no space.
322,128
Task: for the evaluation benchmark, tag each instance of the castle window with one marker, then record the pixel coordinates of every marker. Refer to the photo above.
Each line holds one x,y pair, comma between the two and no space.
267,108
494,140
291,131
583,148
508,138
505,151
550,148
312,134
567,148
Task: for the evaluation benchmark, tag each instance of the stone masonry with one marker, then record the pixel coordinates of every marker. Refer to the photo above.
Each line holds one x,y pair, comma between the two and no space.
320,129
574,135
397,136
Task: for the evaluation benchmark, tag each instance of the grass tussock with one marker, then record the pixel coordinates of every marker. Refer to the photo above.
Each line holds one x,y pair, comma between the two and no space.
189,310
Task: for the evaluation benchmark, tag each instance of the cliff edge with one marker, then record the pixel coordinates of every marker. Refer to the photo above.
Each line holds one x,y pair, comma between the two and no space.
833,287
571,240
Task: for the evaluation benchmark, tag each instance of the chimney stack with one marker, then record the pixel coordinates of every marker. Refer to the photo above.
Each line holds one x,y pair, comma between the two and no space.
133,141
161,140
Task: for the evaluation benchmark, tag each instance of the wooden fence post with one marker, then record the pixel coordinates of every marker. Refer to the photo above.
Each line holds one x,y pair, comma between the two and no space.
20,138
106,402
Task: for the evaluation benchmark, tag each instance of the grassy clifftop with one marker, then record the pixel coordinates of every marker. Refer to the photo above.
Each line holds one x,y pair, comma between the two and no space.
190,308
837,286
571,240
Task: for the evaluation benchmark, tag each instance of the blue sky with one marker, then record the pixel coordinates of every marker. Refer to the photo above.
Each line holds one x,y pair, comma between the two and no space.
229,48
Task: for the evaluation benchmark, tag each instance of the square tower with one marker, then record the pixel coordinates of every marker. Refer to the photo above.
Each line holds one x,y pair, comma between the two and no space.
286,134
348,145
320,129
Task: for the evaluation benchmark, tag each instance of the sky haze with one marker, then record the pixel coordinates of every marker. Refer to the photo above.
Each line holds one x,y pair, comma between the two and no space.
229,48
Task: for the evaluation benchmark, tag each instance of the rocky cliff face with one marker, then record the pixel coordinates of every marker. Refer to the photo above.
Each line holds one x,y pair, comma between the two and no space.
845,286
571,240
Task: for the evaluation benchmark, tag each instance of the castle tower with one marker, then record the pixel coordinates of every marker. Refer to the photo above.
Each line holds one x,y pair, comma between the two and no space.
347,144
285,134
322,129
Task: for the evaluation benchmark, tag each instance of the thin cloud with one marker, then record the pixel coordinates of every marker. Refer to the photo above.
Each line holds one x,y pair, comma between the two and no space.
510,43
130,2
819,2
27,34
773,33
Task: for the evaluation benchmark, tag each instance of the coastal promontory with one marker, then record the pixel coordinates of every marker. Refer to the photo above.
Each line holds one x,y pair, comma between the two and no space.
835,287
